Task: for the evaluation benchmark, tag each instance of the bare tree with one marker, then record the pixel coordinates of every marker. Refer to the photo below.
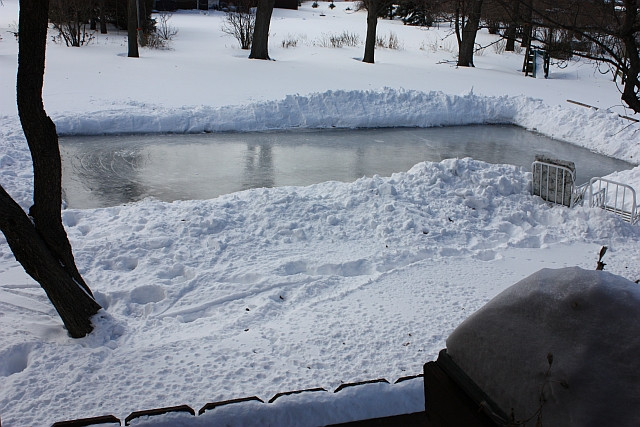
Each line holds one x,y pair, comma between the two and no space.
132,29
465,15
39,241
628,61
512,28
164,30
374,9
260,44
601,30
102,15
467,40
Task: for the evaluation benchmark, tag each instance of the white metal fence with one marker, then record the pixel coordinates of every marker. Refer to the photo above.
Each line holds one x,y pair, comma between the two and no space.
555,183
614,197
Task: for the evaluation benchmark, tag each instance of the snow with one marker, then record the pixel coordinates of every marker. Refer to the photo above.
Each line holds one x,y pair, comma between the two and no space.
381,399
274,290
586,321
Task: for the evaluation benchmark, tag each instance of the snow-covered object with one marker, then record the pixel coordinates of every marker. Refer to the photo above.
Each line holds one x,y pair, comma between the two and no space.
562,344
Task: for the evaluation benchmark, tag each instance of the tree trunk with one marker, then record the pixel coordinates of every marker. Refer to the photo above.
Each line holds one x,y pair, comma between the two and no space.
372,23
528,26
630,94
631,88
513,26
132,29
260,42
465,53
74,305
41,244
103,18
457,17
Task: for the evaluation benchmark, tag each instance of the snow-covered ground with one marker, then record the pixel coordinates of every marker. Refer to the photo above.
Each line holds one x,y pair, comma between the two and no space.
273,290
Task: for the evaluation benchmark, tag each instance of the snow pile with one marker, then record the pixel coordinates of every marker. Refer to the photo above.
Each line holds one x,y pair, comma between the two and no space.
271,290
560,346
345,109
603,132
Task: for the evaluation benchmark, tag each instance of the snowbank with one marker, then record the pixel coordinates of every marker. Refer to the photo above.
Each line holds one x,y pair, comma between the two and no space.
599,131
602,132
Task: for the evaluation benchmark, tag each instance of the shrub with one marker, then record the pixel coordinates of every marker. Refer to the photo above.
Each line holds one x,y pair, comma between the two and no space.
70,18
165,31
517,48
290,41
161,33
240,25
339,40
430,44
500,46
390,42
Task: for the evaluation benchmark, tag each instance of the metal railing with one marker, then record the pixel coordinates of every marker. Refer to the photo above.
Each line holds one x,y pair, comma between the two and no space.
554,183
614,197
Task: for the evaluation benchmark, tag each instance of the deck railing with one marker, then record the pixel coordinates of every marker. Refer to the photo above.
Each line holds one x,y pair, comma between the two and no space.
615,197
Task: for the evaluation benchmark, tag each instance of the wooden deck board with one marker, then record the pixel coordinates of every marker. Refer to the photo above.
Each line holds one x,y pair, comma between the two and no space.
405,420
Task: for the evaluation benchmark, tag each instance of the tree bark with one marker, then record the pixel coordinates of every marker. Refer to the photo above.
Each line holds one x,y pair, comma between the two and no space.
458,16
260,42
630,93
40,244
527,31
513,26
72,302
528,26
103,18
467,45
132,29
372,23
